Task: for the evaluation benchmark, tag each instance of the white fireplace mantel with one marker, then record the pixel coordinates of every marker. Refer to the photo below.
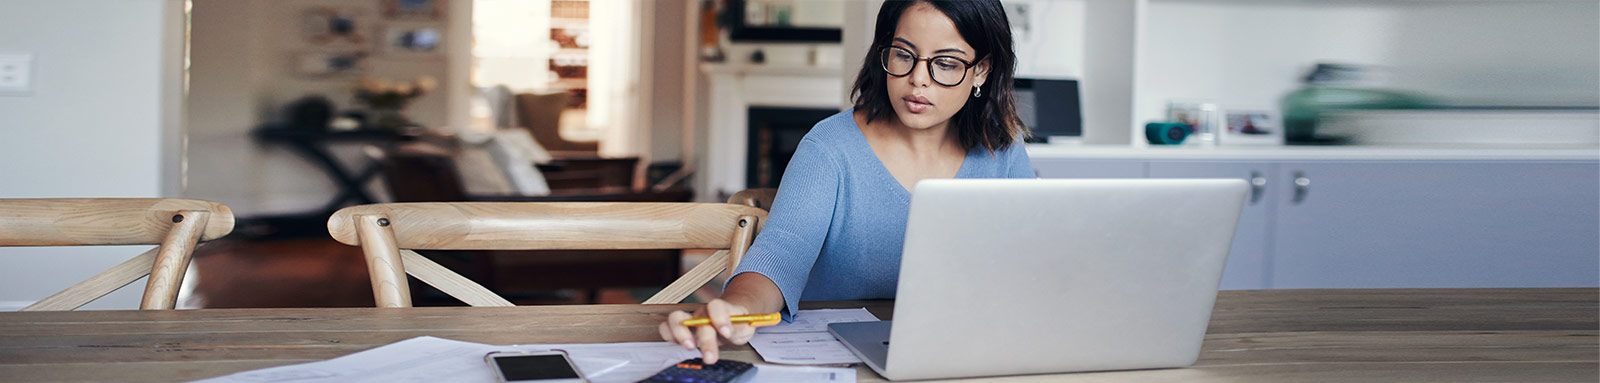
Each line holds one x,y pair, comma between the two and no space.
737,87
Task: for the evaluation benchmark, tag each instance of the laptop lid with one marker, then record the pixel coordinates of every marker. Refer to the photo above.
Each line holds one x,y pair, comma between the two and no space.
1005,277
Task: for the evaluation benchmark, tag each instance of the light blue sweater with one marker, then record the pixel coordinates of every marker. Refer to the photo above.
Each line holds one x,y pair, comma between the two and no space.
839,221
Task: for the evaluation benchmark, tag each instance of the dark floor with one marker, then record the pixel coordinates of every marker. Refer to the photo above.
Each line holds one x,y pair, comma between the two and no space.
319,272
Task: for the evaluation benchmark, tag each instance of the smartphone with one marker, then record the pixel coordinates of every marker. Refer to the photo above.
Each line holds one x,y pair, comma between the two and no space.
534,366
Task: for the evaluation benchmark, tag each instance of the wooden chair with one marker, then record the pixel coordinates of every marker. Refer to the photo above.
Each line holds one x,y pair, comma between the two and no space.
388,234
759,198
176,225
434,176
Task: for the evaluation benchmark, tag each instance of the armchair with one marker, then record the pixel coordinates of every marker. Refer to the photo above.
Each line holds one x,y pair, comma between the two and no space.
540,114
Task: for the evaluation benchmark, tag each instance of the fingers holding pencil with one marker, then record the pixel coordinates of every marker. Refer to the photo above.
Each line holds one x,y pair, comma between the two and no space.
717,320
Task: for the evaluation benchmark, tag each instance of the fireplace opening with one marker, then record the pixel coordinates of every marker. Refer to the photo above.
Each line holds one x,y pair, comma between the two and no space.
775,133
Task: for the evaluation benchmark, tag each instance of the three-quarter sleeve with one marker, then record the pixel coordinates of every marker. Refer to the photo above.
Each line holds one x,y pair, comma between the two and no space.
1017,163
798,224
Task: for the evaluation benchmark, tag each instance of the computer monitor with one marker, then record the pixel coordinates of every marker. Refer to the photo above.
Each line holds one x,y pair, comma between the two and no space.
1049,107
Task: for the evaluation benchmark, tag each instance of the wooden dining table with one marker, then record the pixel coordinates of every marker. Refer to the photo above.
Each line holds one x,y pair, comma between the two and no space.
1345,335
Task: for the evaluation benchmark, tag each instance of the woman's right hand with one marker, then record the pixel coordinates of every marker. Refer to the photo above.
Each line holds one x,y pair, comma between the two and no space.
707,338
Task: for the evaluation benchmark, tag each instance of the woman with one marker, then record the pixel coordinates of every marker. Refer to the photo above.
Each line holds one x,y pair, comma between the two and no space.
932,100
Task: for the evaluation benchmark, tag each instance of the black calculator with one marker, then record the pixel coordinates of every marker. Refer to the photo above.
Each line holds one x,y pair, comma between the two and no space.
696,371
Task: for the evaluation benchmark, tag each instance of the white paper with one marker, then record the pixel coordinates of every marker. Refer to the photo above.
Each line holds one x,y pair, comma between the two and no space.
420,359
802,348
806,340
767,373
818,320
430,359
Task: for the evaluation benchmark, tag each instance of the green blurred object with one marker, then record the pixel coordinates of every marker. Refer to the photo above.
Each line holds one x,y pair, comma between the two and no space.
1167,133
1328,89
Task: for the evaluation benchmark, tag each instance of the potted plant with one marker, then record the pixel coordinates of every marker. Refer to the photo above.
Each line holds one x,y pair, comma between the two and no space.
387,98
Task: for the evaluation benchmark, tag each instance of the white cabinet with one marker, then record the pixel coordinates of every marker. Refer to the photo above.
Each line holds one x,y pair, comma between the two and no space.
1088,168
1248,262
1396,223
1377,224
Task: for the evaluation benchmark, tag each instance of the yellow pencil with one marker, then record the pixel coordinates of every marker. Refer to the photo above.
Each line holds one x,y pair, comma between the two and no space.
755,320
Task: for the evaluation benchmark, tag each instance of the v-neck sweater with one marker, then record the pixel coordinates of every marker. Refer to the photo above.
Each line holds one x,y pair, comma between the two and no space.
838,223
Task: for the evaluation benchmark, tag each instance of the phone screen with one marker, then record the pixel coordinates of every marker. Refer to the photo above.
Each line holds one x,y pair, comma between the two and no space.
534,367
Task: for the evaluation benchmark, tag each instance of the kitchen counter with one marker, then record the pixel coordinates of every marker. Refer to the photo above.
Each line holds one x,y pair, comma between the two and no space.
1352,152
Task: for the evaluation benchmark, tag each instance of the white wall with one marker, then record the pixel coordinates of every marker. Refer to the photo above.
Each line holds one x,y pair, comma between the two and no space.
1248,54
1113,32
242,76
1534,53
228,66
617,85
861,19
1049,40
93,127
666,71
456,85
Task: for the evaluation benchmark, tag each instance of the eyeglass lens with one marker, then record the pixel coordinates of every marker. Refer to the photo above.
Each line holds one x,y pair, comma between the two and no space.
945,70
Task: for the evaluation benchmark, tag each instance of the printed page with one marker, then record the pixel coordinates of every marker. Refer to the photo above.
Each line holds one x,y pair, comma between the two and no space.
802,348
420,359
818,320
806,341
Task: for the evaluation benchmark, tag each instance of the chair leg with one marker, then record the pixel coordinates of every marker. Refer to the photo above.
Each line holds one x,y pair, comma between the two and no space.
384,266
172,261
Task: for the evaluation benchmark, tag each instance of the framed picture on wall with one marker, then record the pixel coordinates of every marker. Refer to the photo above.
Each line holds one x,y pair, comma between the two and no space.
413,40
1251,127
414,9
335,26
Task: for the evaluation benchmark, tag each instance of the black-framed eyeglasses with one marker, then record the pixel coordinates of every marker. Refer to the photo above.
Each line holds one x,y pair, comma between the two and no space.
945,70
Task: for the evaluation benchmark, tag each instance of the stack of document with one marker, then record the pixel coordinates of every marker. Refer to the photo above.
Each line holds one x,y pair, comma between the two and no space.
430,359
806,341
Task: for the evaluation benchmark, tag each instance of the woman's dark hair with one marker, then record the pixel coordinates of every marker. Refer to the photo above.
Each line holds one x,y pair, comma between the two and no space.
990,121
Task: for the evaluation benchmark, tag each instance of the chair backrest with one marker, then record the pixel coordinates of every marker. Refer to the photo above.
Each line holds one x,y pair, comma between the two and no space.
541,115
387,234
760,198
176,225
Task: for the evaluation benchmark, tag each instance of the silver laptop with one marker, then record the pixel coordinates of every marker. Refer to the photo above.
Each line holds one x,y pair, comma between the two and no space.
1010,277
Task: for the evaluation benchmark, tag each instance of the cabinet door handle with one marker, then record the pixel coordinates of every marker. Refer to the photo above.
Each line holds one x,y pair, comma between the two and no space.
1302,186
1258,185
